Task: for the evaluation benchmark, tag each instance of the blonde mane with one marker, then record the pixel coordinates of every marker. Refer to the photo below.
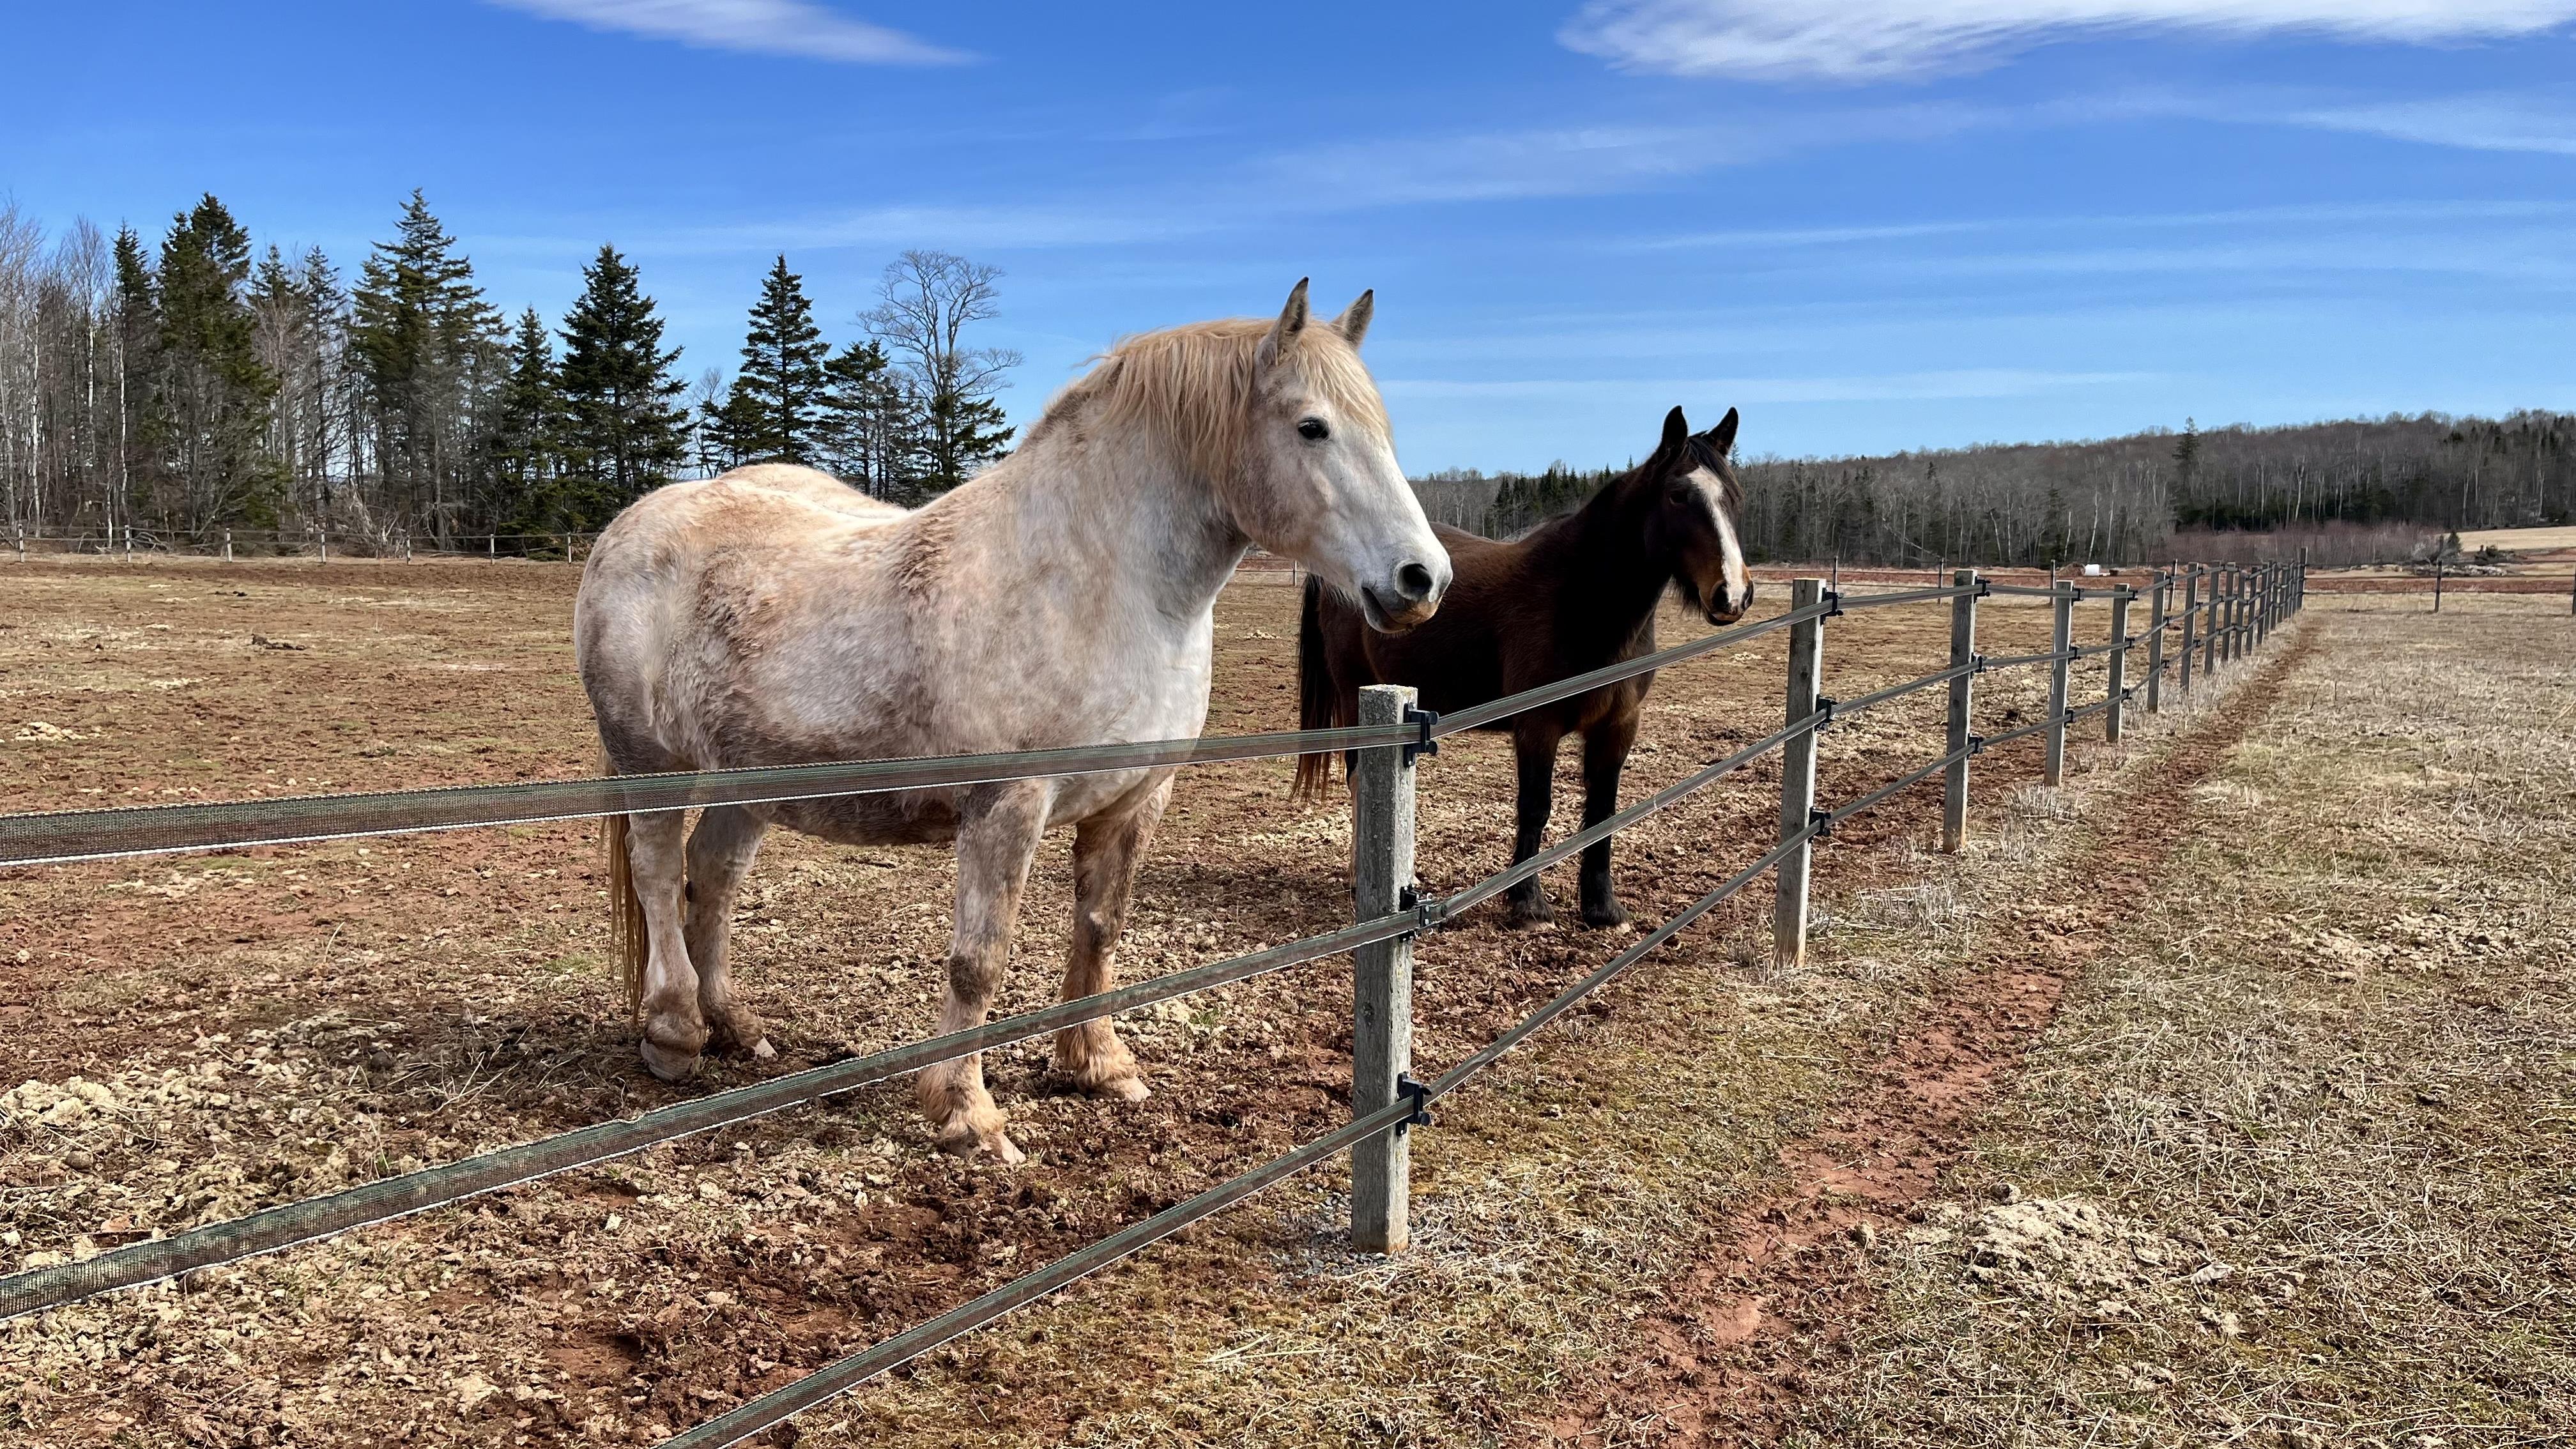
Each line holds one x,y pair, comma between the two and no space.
1194,385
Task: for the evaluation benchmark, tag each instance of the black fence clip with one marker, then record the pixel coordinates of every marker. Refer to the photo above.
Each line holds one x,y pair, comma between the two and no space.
1825,708
1985,587
1428,913
1833,604
1416,1093
1822,822
1976,744
1422,743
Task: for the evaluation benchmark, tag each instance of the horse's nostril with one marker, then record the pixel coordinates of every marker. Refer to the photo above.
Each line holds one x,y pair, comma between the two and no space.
1413,581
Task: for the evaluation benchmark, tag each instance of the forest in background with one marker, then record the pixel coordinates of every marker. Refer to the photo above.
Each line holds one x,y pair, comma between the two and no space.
160,391
163,390
2356,491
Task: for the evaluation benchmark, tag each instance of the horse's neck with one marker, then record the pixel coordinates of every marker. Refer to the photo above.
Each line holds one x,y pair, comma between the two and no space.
1126,529
1608,577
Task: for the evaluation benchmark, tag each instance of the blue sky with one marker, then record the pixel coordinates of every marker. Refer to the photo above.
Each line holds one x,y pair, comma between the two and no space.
1871,225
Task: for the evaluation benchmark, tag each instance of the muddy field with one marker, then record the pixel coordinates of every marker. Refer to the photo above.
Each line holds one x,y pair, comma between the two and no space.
202,1036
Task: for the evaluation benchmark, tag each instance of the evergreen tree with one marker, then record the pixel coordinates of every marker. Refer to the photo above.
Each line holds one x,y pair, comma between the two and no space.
215,393
622,430
425,341
139,425
529,420
871,426
774,412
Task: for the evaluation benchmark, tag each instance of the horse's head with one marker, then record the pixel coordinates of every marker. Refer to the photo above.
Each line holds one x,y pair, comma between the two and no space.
1694,518
1316,477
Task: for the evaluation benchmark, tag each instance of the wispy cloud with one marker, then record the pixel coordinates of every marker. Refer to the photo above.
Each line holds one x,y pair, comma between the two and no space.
1870,40
2474,123
1972,382
761,27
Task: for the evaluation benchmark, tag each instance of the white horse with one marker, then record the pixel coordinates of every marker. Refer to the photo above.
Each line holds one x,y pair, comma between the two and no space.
1064,597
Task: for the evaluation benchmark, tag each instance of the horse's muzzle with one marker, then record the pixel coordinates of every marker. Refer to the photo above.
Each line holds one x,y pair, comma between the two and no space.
1413,597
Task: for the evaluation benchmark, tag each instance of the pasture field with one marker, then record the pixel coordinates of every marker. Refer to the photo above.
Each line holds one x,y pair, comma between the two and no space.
2223,1094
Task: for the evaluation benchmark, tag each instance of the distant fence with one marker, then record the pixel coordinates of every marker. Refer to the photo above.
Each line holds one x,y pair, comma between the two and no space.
2221,615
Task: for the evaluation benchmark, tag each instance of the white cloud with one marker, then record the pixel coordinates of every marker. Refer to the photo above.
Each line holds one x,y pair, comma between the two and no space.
1971,382
2474,123
1868,40
762,27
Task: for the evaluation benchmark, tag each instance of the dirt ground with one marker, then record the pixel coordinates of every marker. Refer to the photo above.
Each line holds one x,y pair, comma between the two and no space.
199,1036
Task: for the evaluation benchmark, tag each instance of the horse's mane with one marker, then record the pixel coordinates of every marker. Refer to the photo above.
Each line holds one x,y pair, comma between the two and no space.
1194,384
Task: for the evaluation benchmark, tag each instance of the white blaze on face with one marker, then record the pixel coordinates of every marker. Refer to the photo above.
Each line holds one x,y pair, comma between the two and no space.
1732,572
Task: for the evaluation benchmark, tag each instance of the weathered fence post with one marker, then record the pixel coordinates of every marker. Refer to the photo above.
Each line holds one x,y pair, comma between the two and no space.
2061,636
2437,585
2157,610
1963,652
1381,976
2120,597
325,536
2190,624
228,545
1798,775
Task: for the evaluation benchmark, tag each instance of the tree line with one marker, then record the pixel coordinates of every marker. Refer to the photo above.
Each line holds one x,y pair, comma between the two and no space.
170,389
2144,497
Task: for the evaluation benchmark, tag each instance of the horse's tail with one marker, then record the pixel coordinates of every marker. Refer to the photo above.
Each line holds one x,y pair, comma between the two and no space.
1314,693
630,942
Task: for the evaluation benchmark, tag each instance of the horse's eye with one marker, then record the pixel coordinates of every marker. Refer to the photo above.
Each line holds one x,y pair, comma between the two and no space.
1313,430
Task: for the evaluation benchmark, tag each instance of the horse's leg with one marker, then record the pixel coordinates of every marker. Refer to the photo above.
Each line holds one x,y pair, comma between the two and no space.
720,853
674,1032
1605,752
1105,850
1534,744
997,832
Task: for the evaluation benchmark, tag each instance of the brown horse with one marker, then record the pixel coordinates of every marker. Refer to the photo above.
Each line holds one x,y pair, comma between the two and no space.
1569,597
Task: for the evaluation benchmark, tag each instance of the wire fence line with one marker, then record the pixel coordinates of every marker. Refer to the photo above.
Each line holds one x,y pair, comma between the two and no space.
2239,608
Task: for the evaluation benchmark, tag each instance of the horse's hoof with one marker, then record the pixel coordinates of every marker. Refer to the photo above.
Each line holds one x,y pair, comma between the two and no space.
963,1141
1602,917
734,1029
1529,918
1126,1089
669,1063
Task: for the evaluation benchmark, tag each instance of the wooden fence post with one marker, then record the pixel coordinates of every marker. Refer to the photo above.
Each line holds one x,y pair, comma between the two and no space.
2190,625
228,545
2061,636
1798,775
2157,609
2437,585
1382,976
1963,652
2120,598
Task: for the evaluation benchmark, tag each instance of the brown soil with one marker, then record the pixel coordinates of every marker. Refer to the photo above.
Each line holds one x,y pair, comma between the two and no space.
1770,1308
275,1023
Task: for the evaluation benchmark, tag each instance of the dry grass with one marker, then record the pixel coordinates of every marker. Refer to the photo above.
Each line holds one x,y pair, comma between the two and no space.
2295,1168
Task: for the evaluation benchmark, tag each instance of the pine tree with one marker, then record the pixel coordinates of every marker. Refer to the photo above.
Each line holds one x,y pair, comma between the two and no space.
216,393
622,430
774,412
425,341
871,429
529,420
139,428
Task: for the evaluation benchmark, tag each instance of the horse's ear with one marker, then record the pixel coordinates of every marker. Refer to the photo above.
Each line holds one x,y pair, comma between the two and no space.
1292,320
1721,439
1676,433
1354,321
